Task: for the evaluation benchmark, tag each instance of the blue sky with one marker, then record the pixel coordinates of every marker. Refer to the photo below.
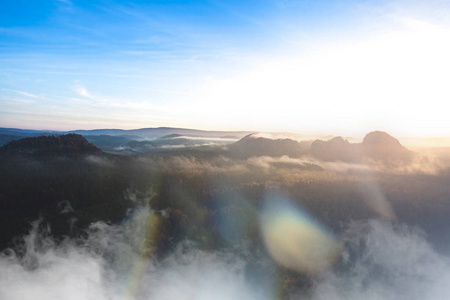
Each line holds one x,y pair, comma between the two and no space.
338,67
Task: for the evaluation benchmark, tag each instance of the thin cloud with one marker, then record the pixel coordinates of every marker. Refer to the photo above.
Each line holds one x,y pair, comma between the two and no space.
30,95
81,90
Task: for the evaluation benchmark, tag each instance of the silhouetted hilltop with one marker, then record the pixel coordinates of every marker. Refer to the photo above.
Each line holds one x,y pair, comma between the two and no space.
335,149
63,179
161,131
12,134
69,145
378,138
380,145
376,145
116,140
109,142
171,136
252,145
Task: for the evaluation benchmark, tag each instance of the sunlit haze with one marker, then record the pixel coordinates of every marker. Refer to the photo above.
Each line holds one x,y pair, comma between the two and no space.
331,67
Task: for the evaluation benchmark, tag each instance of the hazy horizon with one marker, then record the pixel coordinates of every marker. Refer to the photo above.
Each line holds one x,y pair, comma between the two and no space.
408,141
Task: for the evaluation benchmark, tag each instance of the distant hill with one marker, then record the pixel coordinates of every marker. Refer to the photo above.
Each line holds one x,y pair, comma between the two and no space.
27,132
252,145
376,145
175,142
12,134
380,145
171,136
69,145
110,142
65,180
145,146
336,149
159,132
116,140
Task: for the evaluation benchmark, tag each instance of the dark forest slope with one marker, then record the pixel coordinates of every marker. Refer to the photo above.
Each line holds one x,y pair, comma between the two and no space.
69,145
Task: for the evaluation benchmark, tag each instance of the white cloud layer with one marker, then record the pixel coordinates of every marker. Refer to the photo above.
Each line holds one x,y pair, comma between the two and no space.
379,261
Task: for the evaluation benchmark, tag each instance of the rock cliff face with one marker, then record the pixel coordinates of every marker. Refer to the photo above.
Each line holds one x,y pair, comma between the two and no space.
69,145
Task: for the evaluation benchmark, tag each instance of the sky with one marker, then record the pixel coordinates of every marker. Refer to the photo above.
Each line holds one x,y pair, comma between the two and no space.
325,66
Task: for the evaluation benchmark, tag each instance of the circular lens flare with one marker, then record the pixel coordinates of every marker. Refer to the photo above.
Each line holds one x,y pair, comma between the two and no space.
294,239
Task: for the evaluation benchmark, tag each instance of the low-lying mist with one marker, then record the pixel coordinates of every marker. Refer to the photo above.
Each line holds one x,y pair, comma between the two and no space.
116,262
420,164
379,260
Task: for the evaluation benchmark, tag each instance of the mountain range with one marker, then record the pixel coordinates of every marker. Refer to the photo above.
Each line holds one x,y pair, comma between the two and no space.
117,140
376,145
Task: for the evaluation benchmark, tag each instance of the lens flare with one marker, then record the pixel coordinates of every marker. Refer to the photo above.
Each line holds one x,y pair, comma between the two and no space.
234,217
143,229
294,239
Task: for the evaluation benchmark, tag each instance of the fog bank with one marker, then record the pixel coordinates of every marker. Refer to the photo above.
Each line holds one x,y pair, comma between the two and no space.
379,261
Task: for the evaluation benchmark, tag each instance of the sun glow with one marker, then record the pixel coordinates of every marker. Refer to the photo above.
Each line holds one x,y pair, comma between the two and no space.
381,81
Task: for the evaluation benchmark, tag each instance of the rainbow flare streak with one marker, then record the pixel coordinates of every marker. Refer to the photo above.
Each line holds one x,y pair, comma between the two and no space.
144,225
294,239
